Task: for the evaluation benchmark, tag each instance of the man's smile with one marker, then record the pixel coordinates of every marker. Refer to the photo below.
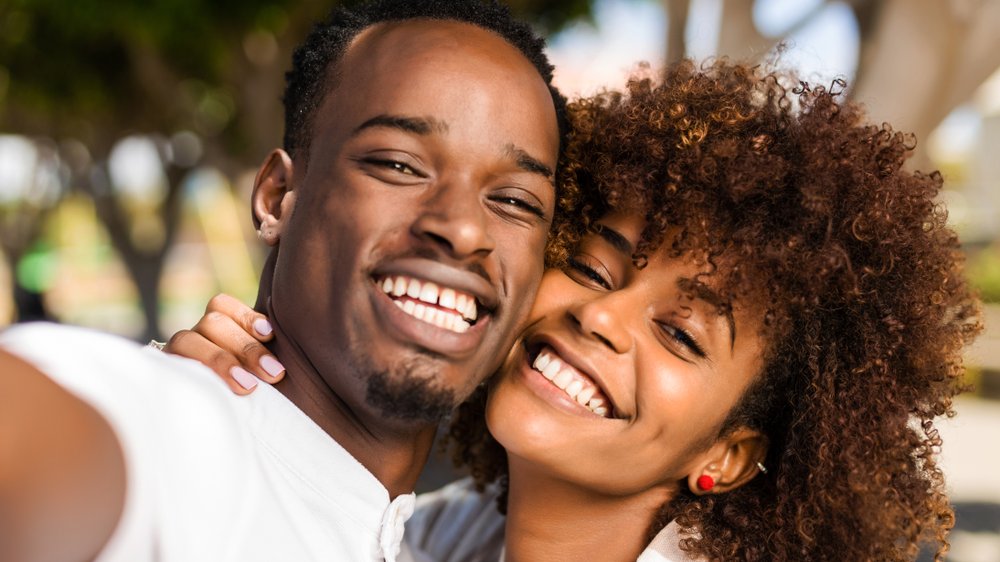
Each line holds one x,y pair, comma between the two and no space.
436,306
443,307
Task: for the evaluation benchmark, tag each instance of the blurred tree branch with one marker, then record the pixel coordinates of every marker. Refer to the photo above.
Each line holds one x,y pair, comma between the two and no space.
918,60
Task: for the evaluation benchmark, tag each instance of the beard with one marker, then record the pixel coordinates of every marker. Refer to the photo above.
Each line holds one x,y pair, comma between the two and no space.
409,391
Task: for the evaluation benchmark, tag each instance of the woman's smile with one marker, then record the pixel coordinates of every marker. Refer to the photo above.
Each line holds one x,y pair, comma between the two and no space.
577,385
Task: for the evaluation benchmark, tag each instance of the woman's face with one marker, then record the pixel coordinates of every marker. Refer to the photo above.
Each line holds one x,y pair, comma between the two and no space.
623,376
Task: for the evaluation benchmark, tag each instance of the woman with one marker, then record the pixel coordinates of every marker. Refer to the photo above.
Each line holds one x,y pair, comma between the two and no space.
754,283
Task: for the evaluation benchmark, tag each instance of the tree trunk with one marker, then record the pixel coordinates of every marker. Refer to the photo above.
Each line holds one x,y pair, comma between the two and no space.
926,57
677,17
145,267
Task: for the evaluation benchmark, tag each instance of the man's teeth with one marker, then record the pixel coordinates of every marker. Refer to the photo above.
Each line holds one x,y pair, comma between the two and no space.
450,309
571,381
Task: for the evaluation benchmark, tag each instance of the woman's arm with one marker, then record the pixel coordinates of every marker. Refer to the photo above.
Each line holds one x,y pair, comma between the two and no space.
228,339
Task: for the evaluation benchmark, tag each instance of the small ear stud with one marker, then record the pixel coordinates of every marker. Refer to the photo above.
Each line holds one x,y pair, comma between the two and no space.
265,234
705,482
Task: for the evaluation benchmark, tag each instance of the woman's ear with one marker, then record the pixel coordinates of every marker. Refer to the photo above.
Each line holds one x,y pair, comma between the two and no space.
730,463
273,197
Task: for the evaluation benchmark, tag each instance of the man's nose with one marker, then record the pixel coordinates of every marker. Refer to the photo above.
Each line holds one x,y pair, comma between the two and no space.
603,319
455,220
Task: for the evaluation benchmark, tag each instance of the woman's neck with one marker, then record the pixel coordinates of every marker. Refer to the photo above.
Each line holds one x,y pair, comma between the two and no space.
550,519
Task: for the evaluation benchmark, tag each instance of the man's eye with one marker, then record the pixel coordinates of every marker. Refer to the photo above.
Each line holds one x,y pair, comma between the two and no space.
520,204
394,165
588,273
682,337
400,167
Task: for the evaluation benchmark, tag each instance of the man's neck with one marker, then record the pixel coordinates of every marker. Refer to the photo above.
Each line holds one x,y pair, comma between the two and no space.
550,519
393,452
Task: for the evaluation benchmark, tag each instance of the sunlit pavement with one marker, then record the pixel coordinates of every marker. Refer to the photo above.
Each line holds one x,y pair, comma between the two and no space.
970,458
970,455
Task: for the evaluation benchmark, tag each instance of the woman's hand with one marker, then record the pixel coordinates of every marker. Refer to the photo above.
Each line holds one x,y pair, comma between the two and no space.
228,339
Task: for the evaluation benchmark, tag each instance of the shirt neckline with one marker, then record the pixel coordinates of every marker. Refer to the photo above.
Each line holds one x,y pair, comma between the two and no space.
336,476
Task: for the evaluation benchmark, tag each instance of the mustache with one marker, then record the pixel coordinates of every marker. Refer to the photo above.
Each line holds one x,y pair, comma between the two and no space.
474,267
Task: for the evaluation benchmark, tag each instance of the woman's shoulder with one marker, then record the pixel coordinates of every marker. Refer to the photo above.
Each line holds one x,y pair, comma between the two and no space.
456,524
665,547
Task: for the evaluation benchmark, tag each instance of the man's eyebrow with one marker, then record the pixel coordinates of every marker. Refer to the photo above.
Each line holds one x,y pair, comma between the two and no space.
703,292
615,238
529,163
417,125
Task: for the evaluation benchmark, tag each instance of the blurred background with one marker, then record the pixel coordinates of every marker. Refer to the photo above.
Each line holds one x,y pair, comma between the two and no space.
130,132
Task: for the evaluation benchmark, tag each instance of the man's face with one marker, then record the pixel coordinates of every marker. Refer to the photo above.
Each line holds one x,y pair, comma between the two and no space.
421,214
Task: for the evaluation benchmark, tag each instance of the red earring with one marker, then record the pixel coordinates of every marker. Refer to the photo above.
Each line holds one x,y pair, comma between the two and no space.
705,482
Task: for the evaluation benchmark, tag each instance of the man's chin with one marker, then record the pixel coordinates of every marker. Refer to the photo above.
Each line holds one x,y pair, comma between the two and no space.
409,393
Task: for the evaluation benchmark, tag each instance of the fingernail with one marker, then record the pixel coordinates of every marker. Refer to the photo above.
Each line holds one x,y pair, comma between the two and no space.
243,378
271,365
262,327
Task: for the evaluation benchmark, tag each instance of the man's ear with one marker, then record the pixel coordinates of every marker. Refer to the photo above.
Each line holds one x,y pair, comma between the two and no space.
273,198
730,463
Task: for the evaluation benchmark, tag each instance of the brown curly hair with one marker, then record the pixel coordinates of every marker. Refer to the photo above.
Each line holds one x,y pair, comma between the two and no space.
807,206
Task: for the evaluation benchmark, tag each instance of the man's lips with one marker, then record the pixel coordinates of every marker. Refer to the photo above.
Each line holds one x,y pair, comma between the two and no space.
442,275
433,306
443,307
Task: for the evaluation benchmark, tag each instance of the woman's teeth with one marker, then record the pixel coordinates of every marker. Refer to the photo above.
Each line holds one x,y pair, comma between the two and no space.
576,385
441,306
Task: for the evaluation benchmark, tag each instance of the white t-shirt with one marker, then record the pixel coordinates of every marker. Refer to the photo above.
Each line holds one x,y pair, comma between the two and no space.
213,476
458,524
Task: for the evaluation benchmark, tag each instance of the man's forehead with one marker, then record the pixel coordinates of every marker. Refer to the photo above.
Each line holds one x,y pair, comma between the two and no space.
411,39
445,79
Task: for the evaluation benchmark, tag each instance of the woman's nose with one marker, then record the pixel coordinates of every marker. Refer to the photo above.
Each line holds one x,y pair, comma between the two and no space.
604,318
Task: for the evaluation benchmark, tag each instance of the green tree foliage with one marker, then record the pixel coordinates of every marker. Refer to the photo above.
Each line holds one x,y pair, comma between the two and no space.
552,15
94,70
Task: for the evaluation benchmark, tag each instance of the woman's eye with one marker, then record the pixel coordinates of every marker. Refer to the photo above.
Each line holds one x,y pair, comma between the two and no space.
588,273
684,338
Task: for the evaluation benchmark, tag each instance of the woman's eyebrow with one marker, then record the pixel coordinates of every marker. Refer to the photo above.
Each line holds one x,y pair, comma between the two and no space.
704,293
615,238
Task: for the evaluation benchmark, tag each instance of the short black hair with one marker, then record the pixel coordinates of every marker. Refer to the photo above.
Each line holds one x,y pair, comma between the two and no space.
306,84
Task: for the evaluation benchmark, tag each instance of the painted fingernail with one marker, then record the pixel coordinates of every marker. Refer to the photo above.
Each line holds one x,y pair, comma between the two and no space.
243,378
271,365
262,327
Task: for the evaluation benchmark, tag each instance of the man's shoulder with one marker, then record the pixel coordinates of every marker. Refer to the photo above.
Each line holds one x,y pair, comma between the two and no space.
58,338
187,464
76,357
139,390
188,458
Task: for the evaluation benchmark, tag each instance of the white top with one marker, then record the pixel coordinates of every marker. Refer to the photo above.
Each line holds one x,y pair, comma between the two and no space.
213,476
458,524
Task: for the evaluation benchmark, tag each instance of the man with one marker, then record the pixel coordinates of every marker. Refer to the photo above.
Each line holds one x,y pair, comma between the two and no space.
407,216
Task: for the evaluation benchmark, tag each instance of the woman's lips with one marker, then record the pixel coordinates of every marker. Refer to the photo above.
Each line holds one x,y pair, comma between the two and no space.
578,386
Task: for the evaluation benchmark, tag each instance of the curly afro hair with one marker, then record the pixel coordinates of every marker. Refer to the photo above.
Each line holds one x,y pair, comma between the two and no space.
314,63
805,206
